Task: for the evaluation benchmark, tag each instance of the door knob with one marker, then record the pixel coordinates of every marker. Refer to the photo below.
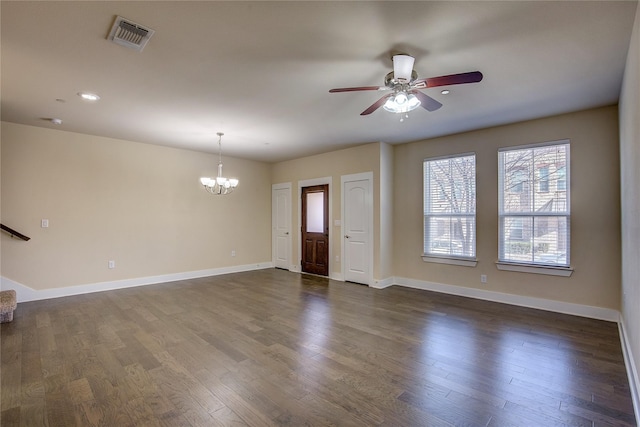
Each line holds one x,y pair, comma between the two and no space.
286,233
346,236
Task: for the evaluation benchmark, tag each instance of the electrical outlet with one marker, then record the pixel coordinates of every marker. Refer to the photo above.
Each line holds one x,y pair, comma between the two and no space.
337,258
112,264
44,223
483,278
233,252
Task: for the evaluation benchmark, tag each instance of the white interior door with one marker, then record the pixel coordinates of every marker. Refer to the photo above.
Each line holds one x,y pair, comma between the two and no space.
357,225
281,225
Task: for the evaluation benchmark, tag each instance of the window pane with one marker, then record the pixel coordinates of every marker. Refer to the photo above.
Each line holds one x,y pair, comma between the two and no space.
450,206
543,179
550,240
517,238
315,212
517,181
562,180
450,236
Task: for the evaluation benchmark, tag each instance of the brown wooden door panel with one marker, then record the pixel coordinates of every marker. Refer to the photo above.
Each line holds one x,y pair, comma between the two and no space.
308,252
315,236
322,253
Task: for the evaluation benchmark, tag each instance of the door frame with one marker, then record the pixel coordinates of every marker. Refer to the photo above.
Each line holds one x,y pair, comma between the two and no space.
364,176
274,187
309,183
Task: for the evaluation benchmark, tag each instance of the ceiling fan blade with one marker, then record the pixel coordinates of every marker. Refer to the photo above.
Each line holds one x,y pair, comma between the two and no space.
379,103
453,79
426,102
356,89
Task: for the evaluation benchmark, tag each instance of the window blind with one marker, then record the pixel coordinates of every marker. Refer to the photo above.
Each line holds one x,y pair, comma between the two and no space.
533,204
450,206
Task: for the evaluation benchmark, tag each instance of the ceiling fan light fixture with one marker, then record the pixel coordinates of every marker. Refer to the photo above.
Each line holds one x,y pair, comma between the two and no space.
401,103
414,102
403,67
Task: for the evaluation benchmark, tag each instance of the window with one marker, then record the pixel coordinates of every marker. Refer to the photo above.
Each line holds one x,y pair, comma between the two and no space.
450,207
562,179
518,180
543,179
534,225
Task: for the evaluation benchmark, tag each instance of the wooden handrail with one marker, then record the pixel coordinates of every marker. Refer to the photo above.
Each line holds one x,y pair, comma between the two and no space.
14,233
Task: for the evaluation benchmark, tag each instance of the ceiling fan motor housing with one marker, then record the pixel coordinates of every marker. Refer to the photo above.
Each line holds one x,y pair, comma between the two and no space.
391,82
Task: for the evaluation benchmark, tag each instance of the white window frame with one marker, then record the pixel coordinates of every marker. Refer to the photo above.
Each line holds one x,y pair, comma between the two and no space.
524,266
470,261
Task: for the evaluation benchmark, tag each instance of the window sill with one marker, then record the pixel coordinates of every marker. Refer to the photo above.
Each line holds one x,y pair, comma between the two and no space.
535,269
465,262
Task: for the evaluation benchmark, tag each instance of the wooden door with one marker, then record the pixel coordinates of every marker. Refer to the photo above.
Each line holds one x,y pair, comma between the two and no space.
315,229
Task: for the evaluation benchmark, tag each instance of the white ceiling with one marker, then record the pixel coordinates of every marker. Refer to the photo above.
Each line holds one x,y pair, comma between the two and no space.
261,71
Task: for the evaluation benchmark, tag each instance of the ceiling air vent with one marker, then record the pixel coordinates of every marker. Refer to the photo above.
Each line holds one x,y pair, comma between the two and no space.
129,34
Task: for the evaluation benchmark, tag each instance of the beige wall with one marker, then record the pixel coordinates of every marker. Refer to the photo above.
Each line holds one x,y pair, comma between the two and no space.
385,264
137,204
595,201
630,197
363,158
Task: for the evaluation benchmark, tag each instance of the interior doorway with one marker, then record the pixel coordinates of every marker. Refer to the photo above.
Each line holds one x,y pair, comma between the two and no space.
315,229
281,225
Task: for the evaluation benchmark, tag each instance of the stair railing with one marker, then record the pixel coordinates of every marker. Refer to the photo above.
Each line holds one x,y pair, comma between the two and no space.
14,233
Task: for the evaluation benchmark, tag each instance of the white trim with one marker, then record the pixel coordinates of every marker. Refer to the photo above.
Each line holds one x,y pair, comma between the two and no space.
450,261
310,183
449,156
283,185
364,176
25,293
592,312
295,268
534,145
383,283
535,269
632,372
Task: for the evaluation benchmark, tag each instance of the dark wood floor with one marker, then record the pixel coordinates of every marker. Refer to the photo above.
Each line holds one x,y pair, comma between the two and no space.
276,348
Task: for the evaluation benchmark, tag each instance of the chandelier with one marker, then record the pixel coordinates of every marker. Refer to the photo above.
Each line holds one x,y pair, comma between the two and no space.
219,185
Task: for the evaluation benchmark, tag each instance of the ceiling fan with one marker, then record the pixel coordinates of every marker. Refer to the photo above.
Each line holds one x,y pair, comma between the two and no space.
404,85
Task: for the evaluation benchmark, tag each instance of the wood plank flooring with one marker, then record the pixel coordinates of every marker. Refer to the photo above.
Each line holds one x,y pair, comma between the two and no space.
271,347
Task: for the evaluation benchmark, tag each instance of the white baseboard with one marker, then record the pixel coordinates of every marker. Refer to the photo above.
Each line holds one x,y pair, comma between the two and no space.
384,283
632,372
592,312
25,293
337,276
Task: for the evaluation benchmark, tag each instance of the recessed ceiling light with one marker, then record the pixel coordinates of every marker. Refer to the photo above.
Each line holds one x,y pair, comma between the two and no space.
56,121
445,91
88,96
